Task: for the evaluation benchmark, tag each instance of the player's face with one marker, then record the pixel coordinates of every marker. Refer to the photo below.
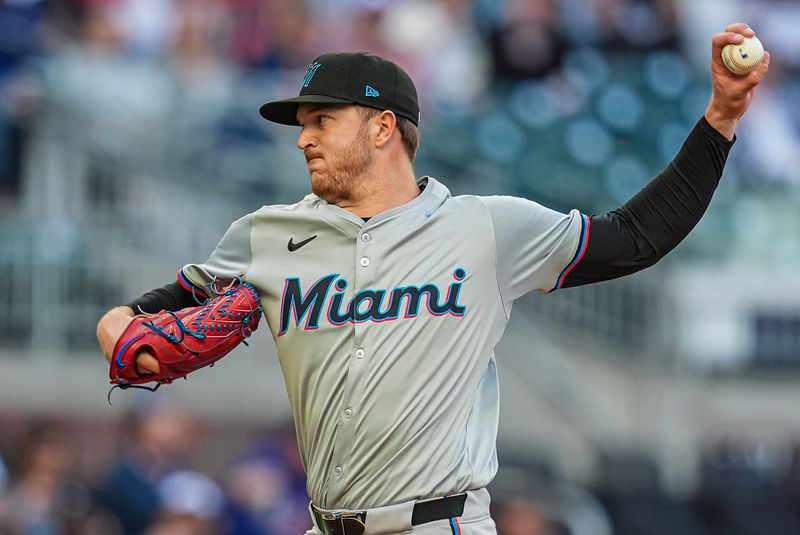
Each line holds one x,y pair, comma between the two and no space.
335,141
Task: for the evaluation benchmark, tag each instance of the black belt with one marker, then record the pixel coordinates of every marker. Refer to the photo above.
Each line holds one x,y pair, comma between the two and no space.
354,522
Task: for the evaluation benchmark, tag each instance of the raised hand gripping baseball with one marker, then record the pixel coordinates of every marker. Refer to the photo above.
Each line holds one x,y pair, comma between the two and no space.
184,341
731,93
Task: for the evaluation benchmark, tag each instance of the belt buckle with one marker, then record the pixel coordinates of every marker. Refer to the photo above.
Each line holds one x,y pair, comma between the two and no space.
352,522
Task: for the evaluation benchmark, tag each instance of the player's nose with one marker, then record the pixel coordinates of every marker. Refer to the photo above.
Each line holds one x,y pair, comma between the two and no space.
305,140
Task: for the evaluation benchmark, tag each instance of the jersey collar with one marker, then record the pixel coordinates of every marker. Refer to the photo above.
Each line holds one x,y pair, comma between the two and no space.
433,194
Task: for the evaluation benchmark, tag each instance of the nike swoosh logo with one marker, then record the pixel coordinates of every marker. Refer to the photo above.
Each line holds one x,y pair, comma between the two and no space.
295,246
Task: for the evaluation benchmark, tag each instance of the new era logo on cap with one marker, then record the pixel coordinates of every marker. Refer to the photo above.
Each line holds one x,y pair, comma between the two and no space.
348,78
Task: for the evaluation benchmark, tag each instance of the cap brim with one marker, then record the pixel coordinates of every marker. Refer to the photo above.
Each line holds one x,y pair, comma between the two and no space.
285,111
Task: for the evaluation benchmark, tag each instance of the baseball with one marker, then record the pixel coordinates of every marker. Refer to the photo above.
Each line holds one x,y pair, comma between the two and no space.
743,58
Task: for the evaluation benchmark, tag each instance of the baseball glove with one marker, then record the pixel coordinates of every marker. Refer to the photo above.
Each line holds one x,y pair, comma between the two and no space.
186,340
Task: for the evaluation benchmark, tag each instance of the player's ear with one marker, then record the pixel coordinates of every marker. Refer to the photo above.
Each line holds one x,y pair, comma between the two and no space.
387,124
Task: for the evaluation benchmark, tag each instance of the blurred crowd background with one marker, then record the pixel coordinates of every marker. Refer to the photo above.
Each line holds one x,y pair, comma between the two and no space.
129,139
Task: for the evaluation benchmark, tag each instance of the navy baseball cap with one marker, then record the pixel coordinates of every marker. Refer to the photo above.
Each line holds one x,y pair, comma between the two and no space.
350,78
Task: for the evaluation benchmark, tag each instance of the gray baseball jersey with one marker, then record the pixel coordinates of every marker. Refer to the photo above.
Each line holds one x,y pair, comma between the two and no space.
385,330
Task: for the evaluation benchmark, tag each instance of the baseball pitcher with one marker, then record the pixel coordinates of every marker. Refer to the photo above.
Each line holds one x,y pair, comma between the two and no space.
386,295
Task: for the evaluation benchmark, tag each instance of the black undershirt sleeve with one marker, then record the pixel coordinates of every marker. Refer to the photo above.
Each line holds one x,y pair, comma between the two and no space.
655,220
171,297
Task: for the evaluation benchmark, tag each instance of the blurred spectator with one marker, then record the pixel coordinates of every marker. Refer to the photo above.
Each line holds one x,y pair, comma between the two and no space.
637,24
744,488
147,28
191,504
521,516
157,440
34,503
438,45
198,56
135,479
528,43
267,490
275,36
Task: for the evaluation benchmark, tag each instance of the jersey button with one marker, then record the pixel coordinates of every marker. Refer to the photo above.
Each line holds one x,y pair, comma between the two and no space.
364,261
360,353
338,470
366,237
348,412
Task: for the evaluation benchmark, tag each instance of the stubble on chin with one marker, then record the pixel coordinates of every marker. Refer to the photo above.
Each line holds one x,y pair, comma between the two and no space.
329,188
339,181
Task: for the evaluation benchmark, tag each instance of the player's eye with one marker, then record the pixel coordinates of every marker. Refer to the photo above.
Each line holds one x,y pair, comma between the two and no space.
323,118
